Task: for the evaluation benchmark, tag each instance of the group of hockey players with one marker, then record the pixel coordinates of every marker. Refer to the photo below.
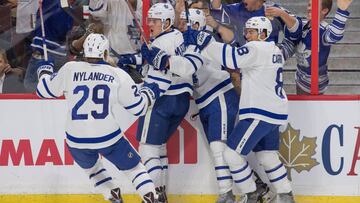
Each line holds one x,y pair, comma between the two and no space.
181,63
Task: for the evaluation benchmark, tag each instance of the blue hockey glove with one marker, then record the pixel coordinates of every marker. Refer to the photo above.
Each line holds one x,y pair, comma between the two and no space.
45,67
198,38
155,57
151,90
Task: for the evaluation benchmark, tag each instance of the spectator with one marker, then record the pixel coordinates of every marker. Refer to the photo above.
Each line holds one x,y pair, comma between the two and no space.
6,72
57,23
238,13
298,41
119,23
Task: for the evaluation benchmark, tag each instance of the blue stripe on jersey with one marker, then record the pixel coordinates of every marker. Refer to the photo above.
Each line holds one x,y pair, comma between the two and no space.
241,169
159,79
103,181
134,105
274,169
263,113
94,139
97,173
179,86
96,9
47,88
242,180
224,178
213,90
39,94
234,58
221,167
224,55
138,113
279,178
138,176
143,183
198,58
192,62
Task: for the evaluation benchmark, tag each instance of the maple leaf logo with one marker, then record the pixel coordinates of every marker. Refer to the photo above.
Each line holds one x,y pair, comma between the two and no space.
296,153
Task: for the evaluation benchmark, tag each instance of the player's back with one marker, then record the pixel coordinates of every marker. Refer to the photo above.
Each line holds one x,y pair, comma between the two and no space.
211,82
91,91
172,43
262,93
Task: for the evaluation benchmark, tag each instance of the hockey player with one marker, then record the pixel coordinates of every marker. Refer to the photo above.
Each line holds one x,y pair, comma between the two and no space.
161,121
263,105
298,41
93,90
214,95
217,102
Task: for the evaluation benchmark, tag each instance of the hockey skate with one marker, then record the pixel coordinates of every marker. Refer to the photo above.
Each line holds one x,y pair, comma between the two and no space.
116,196
150,198
284,198
251,197
228,197
265,194
161,192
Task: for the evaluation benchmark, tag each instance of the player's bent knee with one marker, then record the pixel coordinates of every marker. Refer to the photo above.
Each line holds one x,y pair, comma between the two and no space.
268,158
149,150
231,156
217,147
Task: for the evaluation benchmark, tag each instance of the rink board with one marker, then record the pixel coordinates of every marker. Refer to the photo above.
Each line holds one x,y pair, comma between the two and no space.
34,166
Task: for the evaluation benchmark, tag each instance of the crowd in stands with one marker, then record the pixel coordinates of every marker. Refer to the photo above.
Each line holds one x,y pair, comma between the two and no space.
66,27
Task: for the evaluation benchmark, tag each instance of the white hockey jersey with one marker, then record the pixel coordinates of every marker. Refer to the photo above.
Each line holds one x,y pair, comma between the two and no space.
261,63
211,81
120,26
93,92
173,44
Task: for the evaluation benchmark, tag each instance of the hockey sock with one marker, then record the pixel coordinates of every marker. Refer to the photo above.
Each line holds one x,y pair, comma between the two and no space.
103,182
150,155
275,170
164,163
240,171
223,175
140,179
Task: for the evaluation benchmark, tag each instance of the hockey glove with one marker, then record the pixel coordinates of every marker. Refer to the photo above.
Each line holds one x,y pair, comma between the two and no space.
155,57
130,59
45,67
198,38
151,90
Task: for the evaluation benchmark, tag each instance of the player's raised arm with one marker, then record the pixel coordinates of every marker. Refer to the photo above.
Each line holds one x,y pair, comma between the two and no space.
50,85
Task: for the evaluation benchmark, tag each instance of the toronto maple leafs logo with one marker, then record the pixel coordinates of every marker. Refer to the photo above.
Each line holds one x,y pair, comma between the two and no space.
295,153
302,55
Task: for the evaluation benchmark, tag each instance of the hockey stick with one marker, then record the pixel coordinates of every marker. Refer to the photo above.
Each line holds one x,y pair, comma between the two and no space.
137,22
187,14
43,30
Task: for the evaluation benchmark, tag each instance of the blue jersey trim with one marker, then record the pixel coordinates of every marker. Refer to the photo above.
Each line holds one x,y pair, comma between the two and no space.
234,58
103,181
180,86
279,178
47,88
224,55
134,105
263,113
97,173
213,90
93,140
138,176
39,94
221,167
191,55
96,9
159,79
143,183
274,169
192,62
224,178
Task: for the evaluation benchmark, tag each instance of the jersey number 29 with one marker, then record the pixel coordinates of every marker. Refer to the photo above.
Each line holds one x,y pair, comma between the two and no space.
103,100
